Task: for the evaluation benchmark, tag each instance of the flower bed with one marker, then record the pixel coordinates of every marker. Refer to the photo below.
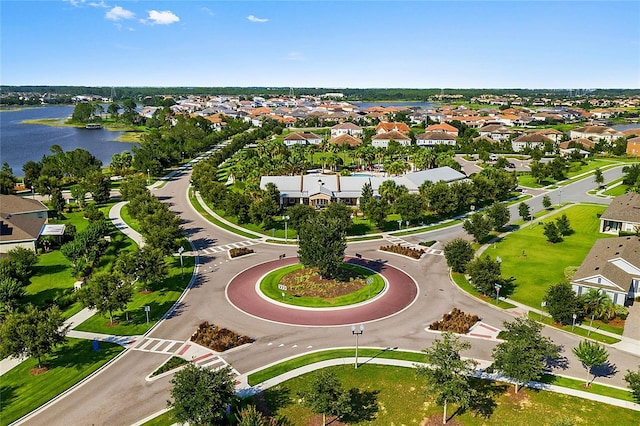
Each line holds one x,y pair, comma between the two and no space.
405,251
218,339
455,321
236,252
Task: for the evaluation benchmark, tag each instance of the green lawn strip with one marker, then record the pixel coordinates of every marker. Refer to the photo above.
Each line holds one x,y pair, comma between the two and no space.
22,393
288,242
368,238
52,278
536,264
164,419
605,327
160,299
426,228
269,286
126,217
462,282
595,388
400,398
196,205
173,362
616,190
311,358
577,330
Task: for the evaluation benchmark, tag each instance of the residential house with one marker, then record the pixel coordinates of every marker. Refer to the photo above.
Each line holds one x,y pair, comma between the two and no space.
580,142
633,146
302,138
346,139
22,220
346,128
596,133
385,127
612,266
531,140
497,132
553,134
443,127
318,190
623,214
431,139
382,140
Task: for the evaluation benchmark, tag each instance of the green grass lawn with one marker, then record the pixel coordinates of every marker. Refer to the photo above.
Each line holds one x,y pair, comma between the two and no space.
464,284
574,329
400,399
269,286
21,393
160,299
595,388
536,264
617,190
126,217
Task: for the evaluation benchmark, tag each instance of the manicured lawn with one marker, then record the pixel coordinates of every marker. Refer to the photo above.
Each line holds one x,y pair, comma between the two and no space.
536,264
595,388
22,393
616,190
269,286
196,205
164,419
400,399
575,330
51,279
465,285
126,217
160,299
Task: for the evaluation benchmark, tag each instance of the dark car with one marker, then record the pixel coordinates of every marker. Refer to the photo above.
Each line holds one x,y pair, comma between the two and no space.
511,166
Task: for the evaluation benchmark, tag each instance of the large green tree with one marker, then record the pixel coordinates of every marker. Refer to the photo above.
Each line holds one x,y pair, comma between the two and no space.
322,242
524,352
633,380
34,332
161,229
561,302
478,226
325,395
485,273
7,180
410,207
447,374
106,292
458,253
591,355
499,215
201,395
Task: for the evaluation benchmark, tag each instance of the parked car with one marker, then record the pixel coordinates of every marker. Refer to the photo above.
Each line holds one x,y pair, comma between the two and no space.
511,166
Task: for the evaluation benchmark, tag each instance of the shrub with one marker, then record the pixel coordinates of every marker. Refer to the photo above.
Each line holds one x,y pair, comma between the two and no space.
236,252
218,339
455,321
405,251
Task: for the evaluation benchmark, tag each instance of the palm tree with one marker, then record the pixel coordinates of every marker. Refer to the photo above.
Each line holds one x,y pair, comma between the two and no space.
598,304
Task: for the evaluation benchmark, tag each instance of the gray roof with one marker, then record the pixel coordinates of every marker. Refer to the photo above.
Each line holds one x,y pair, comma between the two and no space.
12,204
625,208
616,261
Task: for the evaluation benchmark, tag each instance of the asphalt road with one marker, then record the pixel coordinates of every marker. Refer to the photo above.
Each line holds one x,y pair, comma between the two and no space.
119,395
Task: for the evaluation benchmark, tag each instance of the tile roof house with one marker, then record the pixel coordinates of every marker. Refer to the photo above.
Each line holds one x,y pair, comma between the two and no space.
623,214
21,222
633,146
345,139
318,190
385,127
613,266
443,127
586,143
497,132
346,128
302,138
596,132
382,140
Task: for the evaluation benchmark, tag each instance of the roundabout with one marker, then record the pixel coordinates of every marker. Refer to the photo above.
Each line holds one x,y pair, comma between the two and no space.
242,292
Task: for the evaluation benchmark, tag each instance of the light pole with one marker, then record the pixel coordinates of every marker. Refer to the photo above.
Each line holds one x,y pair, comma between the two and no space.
357,333
148,177
33,193
498,287
399,224
285,218
573,321
560,197
180,250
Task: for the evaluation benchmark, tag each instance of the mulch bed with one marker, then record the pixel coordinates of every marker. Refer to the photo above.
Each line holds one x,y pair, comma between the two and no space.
219,339
307,282
36,371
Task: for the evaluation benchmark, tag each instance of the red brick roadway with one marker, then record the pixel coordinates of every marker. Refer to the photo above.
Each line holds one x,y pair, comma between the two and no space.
402,291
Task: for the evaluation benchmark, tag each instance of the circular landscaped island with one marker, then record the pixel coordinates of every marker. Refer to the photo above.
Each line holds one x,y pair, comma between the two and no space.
299,286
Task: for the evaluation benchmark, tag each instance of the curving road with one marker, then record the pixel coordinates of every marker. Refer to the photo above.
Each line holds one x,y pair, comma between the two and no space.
119,395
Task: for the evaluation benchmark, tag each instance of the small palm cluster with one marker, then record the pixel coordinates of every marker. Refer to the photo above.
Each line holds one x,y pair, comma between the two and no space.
218,339
405,251
455,321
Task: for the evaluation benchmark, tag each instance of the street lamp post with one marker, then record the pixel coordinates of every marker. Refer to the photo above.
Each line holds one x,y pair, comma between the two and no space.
560,197
357,333
285,218
573,321
399,224
498,287
148,177
180,250
33,193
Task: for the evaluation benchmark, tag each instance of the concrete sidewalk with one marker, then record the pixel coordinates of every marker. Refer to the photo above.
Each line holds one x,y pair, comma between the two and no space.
115,216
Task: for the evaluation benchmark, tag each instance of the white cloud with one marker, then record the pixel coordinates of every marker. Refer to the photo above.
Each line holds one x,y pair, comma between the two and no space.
165,17
256,19
99,4
118,13
294,56
207,11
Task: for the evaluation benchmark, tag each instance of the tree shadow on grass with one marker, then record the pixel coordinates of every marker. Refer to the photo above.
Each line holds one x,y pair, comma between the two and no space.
7,394
276,398
364,406
483,402
41,270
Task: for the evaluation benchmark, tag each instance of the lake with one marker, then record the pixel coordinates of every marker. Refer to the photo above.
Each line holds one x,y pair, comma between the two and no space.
365,105
20,143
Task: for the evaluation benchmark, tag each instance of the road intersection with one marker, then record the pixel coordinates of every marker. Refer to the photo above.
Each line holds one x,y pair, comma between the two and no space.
119,394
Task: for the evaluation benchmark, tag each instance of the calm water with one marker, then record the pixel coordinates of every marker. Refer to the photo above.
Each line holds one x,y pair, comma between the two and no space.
365,105
20,143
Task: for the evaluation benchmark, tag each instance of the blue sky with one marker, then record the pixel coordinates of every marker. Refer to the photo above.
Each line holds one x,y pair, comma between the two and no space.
421,44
